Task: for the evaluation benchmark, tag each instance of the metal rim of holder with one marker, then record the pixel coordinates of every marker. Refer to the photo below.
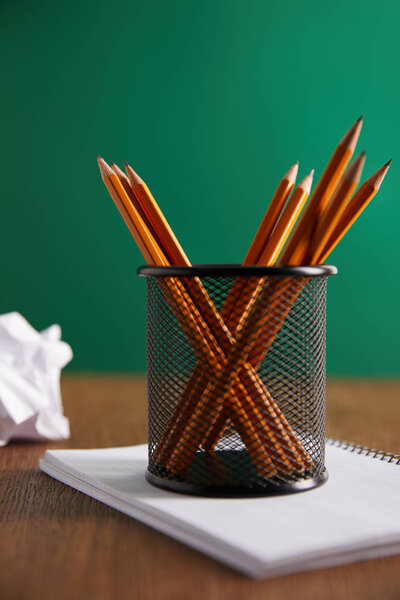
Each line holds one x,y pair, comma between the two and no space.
236,270
237,491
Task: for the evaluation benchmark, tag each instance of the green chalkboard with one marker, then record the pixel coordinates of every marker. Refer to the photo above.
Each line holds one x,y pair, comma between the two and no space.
211,102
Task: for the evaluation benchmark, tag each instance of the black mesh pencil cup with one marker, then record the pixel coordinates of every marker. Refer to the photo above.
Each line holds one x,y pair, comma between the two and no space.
236,378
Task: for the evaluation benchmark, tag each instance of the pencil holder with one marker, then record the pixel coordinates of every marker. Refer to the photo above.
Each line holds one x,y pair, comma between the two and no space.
236,378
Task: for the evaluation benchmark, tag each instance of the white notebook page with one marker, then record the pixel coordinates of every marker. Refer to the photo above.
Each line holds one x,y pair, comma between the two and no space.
354,515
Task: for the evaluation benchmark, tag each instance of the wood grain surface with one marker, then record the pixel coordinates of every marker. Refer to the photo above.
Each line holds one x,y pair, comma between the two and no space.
56,543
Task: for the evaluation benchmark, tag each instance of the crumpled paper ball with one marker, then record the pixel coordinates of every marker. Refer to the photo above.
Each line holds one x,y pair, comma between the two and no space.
30,365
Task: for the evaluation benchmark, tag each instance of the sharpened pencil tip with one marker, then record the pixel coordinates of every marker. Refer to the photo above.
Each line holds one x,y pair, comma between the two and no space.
376,179
307,182
350,138
119,172
292,173
354,171
311,173
363,153
132,175
105,169
388,163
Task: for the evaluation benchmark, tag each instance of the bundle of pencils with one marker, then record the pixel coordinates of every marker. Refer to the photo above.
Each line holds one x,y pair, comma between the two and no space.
229,346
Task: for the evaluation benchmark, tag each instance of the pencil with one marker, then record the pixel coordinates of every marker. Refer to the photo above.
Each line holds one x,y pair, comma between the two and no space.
271,216
297,246
353,210
330,218
262,236
123,179
153,212
141,234
272,250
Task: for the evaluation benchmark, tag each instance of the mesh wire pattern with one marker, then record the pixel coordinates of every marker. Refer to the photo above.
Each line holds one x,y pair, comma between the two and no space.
236,382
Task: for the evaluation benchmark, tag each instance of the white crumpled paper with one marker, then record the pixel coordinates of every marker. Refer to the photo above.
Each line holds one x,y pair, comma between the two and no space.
30,364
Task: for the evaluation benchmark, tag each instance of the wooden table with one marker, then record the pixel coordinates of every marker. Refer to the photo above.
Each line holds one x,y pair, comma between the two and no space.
56,543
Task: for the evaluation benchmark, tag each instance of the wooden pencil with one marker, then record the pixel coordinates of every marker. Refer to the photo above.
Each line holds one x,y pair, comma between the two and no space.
271,216
262,236
123,177
353,210
153,212
271,252
141,234
330,218
127,187
299,241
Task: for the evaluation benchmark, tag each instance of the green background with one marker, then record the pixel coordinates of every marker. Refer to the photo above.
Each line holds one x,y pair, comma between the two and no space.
211,102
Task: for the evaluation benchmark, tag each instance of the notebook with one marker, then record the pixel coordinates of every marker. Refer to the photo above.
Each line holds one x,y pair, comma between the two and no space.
354,516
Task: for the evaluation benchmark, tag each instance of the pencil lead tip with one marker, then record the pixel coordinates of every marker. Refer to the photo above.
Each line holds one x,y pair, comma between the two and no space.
125,163
292,173
132,175
376,179
105,169
363,153
360,118
306,183
350,138
388,163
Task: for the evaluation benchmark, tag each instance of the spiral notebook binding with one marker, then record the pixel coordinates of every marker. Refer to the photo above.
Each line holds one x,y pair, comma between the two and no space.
365,451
